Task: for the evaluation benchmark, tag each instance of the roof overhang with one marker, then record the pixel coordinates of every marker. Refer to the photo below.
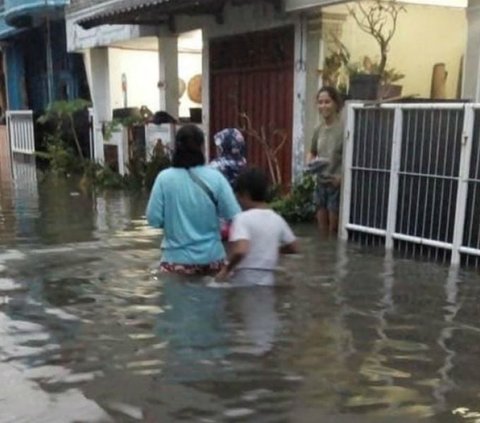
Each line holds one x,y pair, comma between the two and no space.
157,12
300,5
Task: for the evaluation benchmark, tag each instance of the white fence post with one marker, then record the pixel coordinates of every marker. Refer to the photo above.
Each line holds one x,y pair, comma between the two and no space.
96,137
20,131
394,177
462,190
347,173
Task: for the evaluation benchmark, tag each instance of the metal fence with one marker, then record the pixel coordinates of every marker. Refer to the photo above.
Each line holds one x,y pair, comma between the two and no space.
20,131
412,179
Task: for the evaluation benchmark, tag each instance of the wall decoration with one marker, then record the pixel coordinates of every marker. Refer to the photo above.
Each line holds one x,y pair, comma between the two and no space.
194,89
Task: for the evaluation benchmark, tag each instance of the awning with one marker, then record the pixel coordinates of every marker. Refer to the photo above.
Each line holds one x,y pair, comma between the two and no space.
155,12
299,5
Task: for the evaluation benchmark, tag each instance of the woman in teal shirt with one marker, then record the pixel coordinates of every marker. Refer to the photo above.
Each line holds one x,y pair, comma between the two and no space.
187,201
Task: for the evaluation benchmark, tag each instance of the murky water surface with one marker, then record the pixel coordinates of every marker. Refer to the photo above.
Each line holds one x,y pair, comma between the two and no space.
89,333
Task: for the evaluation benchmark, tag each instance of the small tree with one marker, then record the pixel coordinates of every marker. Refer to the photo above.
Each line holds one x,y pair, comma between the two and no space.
62,111
271,142
378,19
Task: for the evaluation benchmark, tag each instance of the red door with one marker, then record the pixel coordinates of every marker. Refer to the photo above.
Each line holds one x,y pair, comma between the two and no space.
253,74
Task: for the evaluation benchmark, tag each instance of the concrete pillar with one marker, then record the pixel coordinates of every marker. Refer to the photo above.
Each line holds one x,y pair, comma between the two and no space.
314,47
306,83
168,78
299,97
99,79
98,75
471,63
206,91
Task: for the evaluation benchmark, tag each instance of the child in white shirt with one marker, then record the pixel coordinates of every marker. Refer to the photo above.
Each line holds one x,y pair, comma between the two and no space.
257,236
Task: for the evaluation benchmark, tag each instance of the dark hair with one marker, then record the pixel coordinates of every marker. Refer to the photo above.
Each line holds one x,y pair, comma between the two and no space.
254,183
188,147
333,94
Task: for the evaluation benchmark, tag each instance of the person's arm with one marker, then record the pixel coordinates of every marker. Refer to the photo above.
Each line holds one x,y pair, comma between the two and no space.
336,160
313,150
292,248
238,251
156,207
238,247
289,242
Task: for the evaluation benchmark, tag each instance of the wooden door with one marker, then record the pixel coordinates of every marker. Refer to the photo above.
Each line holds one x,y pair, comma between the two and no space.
253,73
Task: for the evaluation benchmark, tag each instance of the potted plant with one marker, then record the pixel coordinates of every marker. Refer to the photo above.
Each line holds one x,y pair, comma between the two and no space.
335,66
381,84
378,19
364,81
388,87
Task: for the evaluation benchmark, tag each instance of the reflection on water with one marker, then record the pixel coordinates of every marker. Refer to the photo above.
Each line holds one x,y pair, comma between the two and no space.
89,331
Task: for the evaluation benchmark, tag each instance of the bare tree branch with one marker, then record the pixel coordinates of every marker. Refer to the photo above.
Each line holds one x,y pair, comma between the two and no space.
377,18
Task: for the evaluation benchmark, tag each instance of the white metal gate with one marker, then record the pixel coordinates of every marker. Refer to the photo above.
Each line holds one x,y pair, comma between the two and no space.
412,178
20,131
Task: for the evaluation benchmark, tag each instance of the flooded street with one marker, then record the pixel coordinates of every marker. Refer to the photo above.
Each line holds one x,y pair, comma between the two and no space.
90,333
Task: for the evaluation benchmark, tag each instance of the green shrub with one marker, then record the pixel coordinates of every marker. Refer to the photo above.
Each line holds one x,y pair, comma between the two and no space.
297,206
142,173
61,158
61,115
102,176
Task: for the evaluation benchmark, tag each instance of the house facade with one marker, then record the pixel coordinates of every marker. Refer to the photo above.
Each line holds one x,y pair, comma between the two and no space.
265,58
248,52
37,69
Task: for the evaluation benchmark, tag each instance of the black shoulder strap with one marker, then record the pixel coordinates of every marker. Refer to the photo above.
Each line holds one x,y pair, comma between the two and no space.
203,186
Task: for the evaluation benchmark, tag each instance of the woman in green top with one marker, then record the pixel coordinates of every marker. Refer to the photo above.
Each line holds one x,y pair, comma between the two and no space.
326,148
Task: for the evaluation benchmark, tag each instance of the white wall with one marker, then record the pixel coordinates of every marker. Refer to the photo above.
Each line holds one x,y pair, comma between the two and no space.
471,86
142,70
189,65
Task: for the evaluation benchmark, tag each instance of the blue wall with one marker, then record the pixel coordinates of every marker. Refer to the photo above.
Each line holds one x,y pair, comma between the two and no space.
27,69
15,77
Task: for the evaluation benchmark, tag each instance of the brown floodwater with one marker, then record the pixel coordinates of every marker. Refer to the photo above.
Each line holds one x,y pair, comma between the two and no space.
90,333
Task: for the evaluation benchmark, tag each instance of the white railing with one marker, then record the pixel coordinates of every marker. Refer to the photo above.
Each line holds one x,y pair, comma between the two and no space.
412,178
20,131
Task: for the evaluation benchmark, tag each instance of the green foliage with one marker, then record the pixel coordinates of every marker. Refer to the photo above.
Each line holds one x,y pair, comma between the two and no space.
61,109
60,157
101,176
63,160
297,206
154,166
335,65
60,113
108,128
390,76
367,66
142,173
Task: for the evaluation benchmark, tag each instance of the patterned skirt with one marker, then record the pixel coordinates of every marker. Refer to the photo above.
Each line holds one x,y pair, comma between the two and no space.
192,269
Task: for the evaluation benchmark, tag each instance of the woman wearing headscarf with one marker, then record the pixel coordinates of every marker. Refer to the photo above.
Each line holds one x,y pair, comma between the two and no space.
230,153
230,161
187,202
